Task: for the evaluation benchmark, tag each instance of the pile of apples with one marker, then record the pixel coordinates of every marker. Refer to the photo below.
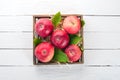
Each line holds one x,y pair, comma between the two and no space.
58,38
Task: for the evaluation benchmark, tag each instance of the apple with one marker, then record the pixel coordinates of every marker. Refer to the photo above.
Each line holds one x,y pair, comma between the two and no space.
60,38
73,52
71,24
44,52
44,27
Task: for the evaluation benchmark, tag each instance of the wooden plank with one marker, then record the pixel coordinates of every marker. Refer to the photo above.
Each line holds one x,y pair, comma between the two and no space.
16,57
16,40
102,57
98,40
30,7
93,23
92,40
102,24
91,57
16,23
59,73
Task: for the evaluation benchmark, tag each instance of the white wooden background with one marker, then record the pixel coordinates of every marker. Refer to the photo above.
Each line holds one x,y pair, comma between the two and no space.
101,37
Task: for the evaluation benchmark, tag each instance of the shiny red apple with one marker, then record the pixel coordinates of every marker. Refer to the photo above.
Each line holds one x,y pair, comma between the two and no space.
73,52
44,27
44,52
60,38
72,24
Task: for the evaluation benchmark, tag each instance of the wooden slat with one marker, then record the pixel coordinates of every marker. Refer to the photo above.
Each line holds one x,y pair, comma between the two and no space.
96,40
16,23
16,57
93,23
92,40
59,73
102,24
30,7
102,57
91,57
16,40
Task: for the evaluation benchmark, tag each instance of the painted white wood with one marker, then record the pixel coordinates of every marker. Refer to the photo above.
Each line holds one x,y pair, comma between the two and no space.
16,40
100,32
102,24
92,40
16,23
30,7
16,57
91,57
96,40
59,73
102,57
93,23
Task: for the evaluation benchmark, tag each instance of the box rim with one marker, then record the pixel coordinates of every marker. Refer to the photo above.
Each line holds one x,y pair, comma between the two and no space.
63,15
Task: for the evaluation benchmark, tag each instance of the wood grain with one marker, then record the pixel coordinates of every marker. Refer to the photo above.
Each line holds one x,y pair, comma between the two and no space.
93,23
32,7
91,57
92,40
101,38
59,73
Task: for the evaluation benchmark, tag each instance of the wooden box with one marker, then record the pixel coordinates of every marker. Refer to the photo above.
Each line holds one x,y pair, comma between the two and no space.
35,18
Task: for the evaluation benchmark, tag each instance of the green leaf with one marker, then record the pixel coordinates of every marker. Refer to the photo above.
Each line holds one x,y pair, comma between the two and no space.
36,41
74,39
56,19
60,56
82,22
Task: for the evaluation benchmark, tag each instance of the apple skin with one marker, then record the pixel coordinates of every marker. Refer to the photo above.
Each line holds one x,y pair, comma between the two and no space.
44,52
71,24
73,52
44,27
60,39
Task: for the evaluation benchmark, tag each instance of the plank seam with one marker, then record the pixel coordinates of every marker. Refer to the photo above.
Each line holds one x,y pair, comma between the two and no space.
84,31
84,49
117,15
58,65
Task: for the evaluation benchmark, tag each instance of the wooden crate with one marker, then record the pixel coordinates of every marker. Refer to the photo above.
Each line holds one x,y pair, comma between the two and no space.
35,18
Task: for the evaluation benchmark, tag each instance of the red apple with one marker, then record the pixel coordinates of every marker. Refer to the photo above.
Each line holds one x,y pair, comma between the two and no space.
73,52
44,27
44,52
60,38
71,24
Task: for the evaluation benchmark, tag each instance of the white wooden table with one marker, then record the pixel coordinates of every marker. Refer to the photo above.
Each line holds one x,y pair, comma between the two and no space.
101,37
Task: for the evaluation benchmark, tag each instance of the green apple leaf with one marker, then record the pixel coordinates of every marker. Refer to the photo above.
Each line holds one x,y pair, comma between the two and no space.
75,39
60,56
56,19
36,41
82,22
